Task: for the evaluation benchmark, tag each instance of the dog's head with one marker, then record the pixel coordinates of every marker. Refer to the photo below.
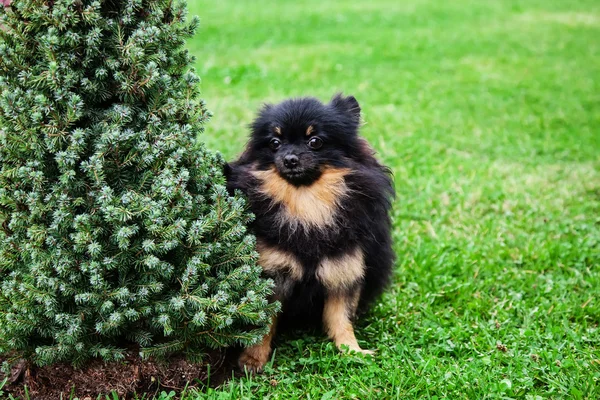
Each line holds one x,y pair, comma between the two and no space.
299,137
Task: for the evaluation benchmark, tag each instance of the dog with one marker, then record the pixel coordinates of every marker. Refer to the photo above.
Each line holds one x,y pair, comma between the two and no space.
322,223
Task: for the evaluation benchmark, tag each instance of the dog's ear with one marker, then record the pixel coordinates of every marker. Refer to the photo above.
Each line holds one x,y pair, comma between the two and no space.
346,104
266,107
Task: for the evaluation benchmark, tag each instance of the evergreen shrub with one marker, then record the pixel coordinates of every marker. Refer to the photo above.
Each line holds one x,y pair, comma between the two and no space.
115,226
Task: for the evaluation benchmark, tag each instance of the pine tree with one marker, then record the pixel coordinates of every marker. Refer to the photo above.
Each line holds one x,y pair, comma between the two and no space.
115,226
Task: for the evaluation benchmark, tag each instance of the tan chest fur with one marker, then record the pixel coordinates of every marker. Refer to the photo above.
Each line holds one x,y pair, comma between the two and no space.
312,206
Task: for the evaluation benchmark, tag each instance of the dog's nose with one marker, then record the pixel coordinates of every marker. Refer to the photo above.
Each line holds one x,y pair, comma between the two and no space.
290,161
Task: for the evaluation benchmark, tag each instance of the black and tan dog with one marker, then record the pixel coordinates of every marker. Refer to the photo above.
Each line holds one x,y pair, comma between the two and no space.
322,203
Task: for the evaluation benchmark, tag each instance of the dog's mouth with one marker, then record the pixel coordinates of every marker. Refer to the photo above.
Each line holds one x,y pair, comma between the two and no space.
298,176
292,174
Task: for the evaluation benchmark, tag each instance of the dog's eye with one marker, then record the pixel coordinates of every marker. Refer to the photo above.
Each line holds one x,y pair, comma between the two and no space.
315,143
274,144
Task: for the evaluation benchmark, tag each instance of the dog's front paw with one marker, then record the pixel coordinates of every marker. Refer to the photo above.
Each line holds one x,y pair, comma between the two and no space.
254,358
355,348
367,352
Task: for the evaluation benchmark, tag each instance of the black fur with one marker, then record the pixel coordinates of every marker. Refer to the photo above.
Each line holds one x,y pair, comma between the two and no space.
363,216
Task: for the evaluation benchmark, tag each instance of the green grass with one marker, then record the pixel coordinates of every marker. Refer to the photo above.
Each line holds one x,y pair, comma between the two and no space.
488,113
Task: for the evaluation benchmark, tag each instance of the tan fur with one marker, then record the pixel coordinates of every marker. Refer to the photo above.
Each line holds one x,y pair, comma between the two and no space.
273,260
309,130
277,130
342,272
254,358
312,205
336,319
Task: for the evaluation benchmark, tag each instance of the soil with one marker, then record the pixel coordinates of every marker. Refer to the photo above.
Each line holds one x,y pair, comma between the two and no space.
129,378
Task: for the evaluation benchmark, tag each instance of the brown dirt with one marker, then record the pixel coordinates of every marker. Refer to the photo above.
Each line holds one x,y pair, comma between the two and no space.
129,378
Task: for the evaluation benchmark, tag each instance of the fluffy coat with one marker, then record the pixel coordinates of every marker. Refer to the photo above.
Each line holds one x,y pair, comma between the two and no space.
322,204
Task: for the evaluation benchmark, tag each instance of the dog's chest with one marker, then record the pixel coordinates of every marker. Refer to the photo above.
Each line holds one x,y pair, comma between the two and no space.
309,207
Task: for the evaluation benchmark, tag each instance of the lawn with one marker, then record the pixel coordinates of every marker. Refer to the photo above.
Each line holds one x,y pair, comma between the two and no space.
488,113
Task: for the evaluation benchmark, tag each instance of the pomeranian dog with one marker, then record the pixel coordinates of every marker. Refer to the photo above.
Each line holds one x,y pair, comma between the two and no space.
322,225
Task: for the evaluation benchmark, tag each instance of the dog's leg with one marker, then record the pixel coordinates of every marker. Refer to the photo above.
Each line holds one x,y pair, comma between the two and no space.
285,270
254,358
337,319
